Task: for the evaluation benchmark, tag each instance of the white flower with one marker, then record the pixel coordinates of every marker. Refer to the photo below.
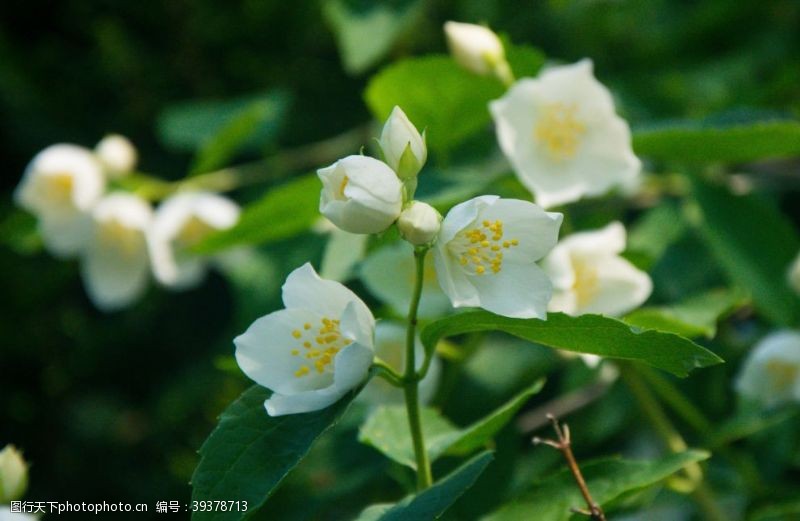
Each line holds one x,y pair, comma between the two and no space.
793,275
590,276
390,347
117,155
562,136
404,149
388,273
60,186
771,373
486,255
13,474
7,515
360,194
116,264
314,351
419,223
477,49
180,223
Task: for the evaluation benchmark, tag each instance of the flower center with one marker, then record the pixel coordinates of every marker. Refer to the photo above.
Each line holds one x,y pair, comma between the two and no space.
783,374
59,187
587,283
318,345
116,236
559,131
194,231
480,249
342,186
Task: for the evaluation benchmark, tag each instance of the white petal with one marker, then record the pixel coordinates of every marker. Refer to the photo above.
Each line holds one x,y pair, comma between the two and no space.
622,287
462,215
65,235
518,291
606,241
771,372
535,229
452,279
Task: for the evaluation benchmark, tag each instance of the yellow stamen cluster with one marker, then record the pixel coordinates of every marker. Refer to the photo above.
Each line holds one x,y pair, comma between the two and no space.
115,236
59,187
193,231
559,130
320,345
480,249
587,282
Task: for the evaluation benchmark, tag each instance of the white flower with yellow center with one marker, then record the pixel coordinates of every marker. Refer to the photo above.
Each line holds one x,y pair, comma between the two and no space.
13,474
116,264
486,255
771,373
563,137
360,194
390,347
388,273
314,351
180,223
60,186
590,276
117,155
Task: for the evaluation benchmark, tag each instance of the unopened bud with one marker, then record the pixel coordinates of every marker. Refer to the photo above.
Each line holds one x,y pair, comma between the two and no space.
477,49
13,474
117,155
404,148
419,223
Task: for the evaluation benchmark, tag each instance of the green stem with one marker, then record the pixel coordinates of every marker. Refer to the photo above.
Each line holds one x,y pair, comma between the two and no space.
385,371
411,381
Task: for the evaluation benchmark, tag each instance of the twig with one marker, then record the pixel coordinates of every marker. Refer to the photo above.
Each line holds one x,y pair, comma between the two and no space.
563,443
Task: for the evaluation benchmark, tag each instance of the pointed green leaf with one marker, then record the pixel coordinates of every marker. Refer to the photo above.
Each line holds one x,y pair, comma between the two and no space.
433,502
553,498
591,334
249,453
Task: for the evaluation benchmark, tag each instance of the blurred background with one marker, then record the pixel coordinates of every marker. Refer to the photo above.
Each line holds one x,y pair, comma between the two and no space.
114,406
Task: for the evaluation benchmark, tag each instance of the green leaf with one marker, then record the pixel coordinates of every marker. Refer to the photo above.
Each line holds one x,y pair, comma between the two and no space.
606,480
694,317
715,141
192,125
283,212
18,231
592,334
366,31
754,243
525,61
436,94
656,231
434,501
387,430
249,453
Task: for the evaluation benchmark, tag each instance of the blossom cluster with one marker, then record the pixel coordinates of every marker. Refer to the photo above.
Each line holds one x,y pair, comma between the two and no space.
120,240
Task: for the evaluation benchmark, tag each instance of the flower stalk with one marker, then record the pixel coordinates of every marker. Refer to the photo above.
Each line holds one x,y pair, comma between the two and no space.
411,378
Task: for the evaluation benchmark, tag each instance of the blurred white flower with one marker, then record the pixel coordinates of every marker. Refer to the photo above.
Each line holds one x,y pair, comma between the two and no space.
477,49
60,186
403,147
771,373
419,223
180,223
314,351
343,251
390,347
360,194
7,515
116,264
486,255
562,136
793,275
590,276
117,155
388,273
13,474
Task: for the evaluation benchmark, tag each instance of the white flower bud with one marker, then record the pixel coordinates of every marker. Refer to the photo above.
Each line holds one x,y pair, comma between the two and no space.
419,223
404,148
477,49
794,275
13,474
360,194
117,155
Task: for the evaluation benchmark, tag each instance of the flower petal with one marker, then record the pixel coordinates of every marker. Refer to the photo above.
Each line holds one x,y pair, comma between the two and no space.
304,289
518,291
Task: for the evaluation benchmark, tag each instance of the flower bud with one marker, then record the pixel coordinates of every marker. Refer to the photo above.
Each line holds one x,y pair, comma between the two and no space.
419,223
13,474
360,194
117,155
404,149
477,49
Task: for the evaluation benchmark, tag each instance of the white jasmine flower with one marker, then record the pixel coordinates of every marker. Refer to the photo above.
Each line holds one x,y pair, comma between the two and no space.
390,347
388,273
13,474
486,255
771,373
117,155
590,276
180,223
360,194
419,223
60,186
477,49
562,136
794,275
115,264
7,515
314,351
403,147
